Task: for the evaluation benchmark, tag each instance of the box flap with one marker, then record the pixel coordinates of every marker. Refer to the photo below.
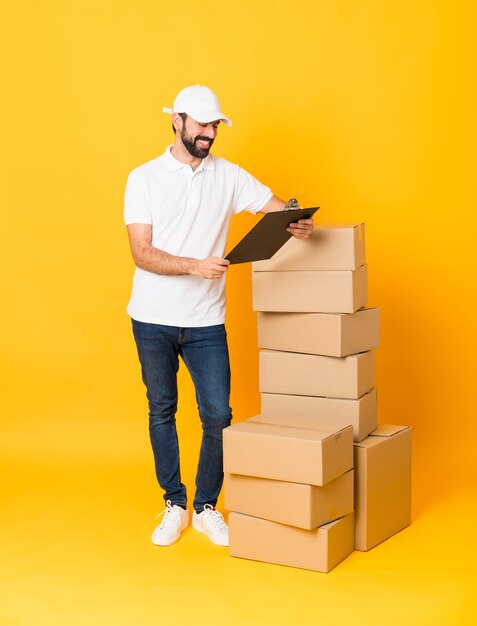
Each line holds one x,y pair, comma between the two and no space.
387,430
300,422
344,225
380,434
275,430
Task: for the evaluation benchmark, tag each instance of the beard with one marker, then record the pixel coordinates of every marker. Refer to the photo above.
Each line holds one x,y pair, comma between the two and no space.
192,147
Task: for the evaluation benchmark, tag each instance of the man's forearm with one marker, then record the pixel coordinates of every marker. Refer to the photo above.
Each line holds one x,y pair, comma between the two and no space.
154,260
274,204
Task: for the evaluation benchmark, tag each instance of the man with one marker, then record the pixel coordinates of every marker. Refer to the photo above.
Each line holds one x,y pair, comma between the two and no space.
177,211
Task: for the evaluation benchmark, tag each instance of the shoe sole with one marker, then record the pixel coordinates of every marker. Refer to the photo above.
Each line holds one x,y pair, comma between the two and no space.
163,545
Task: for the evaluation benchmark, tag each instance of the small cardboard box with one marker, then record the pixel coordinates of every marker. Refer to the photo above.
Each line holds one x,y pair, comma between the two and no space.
310,292
329,334
285,451
362,413
319,549
328,248
315,375
295,504
382,485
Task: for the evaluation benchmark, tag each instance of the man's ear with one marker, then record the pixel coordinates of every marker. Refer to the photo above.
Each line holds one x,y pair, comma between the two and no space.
177,121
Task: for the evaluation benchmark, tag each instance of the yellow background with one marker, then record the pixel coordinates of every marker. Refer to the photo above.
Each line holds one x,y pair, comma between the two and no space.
366,108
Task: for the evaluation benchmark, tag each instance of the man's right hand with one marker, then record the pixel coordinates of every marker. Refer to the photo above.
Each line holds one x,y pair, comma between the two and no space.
213,267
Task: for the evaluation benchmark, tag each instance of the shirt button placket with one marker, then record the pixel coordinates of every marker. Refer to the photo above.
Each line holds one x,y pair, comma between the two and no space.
194,198
190,182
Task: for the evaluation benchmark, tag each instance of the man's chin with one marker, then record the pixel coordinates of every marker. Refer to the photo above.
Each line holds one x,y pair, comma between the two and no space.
201,153
195,151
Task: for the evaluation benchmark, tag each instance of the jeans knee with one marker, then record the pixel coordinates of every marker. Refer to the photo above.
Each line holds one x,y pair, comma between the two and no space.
161,415
214,423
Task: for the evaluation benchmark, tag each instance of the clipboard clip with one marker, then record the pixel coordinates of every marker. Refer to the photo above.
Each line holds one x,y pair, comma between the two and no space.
291,205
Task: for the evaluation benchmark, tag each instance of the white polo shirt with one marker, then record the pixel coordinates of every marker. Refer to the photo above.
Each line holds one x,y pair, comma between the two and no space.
190,213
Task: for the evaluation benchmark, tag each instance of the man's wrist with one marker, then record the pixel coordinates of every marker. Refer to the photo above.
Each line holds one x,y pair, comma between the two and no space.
191,266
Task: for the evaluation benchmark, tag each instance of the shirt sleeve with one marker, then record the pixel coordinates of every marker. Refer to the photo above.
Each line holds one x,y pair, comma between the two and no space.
249,194
136,200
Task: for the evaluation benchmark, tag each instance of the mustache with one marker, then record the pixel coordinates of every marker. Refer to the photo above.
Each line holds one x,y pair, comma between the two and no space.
202,138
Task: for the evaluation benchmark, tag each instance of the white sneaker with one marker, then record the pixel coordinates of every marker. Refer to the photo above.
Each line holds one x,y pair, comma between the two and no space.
211,523
169,530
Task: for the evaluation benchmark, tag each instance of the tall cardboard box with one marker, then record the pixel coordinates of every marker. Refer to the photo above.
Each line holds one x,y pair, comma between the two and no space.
382,485
295,504
286,451
362,413
319,549
328,334
328,248
310,292
315,375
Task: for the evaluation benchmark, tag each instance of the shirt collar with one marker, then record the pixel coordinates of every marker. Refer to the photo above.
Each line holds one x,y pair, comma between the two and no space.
173,164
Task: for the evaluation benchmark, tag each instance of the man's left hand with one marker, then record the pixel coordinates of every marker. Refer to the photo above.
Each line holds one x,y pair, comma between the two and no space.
301,229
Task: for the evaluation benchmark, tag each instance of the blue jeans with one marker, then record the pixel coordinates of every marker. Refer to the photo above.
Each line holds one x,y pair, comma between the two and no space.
205,353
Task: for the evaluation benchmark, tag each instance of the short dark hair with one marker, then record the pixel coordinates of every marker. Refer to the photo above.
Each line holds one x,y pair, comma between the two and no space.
183,115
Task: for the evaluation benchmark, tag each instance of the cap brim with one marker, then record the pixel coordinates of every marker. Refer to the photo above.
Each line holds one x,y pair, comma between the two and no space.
210,117
225,120
201,118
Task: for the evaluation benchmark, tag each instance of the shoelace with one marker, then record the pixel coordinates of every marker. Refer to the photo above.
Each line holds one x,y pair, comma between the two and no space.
215,517
171,516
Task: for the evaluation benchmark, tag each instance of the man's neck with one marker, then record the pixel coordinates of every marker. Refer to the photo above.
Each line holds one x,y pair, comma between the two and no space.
180,152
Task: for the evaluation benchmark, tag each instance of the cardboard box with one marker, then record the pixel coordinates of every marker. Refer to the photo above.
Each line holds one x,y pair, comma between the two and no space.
382,485
319,549
314,375
362,413
310,292
329,334
295,504
285,451
328,248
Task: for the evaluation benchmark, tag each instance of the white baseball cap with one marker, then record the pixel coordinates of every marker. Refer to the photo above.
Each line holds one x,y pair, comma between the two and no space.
200,103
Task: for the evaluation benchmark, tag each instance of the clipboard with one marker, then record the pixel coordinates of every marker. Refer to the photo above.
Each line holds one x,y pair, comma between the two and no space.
267,236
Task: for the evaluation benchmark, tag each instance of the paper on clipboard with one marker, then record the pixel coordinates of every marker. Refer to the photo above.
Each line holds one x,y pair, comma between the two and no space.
267,236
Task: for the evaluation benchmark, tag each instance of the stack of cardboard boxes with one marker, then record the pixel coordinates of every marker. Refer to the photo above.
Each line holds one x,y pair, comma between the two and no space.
297,491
